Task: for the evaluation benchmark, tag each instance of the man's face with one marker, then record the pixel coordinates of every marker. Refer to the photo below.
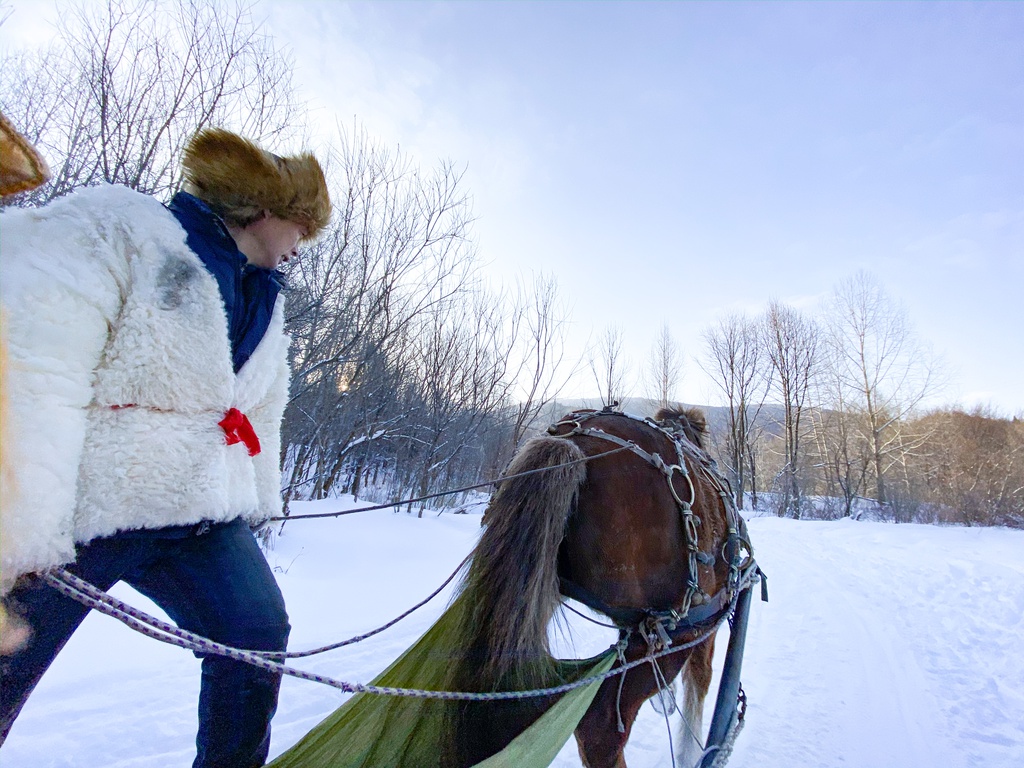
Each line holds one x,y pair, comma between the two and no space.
273,241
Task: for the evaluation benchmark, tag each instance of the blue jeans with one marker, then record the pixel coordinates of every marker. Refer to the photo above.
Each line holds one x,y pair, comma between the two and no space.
210,579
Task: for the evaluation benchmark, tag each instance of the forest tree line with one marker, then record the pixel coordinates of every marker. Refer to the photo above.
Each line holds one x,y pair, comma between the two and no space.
825,417
413,375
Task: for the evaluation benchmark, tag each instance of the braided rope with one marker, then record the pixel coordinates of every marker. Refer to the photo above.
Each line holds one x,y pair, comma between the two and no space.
162,626
77,589
724,750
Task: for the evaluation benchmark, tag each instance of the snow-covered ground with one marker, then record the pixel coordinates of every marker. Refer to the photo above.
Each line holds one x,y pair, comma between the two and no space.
882,645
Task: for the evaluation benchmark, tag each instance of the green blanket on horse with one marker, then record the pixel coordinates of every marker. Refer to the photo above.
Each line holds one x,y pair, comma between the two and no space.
404,732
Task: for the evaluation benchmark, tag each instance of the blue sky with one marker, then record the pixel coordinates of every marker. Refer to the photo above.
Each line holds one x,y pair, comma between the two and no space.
675,162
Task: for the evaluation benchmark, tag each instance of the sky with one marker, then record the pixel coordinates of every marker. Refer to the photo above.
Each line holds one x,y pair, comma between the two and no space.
674,163
875,665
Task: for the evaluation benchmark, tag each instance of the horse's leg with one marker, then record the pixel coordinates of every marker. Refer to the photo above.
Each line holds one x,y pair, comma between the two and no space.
696,681
598,737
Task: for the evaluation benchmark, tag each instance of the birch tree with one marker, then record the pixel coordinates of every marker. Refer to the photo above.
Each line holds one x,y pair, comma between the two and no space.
608,366
737,362
972,467
792,345
881,372
539,318
459,357
664,369
399,249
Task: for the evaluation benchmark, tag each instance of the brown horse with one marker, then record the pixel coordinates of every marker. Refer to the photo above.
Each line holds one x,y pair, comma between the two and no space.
641,533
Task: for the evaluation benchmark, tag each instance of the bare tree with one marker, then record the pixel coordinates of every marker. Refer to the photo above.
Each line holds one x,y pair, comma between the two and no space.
608,366
539,320
879,369
842,455
792,344
737,363
664,368
384,298
399,250
128,82
460,355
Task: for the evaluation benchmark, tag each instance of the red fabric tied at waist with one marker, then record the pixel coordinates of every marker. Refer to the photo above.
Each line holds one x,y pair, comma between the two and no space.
237,428
235,424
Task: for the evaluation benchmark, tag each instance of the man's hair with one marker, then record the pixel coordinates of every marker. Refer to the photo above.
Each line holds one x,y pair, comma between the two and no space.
239,181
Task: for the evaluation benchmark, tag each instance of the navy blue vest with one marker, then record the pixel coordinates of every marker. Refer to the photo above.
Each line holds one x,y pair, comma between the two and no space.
249,292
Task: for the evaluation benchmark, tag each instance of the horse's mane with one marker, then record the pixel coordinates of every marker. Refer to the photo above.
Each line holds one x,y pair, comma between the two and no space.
690,420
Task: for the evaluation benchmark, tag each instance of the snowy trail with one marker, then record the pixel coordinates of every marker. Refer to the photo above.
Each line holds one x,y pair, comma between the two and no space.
882,646
829,645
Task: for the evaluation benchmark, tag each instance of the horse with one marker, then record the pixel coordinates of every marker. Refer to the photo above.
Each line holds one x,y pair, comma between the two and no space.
630,517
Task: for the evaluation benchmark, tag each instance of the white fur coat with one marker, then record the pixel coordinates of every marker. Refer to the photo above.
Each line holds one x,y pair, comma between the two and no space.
119,372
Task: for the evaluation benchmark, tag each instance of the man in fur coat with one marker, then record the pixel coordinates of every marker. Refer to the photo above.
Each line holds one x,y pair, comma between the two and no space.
147,381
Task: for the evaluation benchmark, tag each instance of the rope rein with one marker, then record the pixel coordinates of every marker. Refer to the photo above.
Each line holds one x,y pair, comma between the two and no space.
498,481
85,588
85,593
743,574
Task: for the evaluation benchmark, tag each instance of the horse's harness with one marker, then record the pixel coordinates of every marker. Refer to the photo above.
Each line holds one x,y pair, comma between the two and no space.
698,609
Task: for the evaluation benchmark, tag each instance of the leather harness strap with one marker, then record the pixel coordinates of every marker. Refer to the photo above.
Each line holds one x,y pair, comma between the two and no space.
698,615
698,608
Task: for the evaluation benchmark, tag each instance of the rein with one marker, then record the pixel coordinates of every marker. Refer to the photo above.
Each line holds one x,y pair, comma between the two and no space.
498,481
82,591
74,586
697,619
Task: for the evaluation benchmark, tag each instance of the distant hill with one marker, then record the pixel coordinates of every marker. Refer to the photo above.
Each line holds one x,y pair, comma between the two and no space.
770,418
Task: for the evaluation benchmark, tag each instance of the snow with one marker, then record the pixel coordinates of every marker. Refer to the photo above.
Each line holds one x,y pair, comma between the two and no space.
883,645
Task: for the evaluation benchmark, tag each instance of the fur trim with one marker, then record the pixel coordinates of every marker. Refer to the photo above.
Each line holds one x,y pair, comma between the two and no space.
239,181
21,167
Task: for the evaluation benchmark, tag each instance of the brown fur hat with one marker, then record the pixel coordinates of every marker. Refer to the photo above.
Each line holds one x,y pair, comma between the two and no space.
21,167
239,181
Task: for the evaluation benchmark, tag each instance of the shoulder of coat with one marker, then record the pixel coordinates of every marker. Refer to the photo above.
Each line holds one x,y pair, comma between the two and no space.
140,216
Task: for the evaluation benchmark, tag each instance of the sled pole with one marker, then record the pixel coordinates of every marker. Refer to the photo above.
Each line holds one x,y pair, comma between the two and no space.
727,703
